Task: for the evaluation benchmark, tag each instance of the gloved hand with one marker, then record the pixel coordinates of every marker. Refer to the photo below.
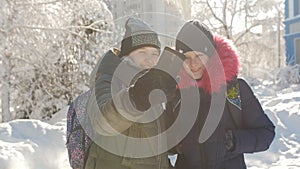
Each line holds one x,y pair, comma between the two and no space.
151,79
229,140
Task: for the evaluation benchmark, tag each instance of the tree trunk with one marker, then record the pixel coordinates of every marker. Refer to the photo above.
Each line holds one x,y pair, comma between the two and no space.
278,39
5,98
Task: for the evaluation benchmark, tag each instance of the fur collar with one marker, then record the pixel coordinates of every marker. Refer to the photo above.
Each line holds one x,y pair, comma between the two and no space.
221,68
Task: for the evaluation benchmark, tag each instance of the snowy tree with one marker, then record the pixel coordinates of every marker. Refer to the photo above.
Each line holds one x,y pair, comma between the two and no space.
287,76
52,47
252,25
5,75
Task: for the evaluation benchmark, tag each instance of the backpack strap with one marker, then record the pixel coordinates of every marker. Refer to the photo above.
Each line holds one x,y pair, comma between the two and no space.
234,103
81,112
70,124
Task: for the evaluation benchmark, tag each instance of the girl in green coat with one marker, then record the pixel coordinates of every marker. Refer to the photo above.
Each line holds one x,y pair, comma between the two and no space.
127,127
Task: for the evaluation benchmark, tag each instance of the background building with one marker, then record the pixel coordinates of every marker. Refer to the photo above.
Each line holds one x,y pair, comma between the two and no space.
164,16
292,31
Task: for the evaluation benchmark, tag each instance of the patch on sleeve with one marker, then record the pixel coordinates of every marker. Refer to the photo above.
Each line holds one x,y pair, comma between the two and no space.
233,94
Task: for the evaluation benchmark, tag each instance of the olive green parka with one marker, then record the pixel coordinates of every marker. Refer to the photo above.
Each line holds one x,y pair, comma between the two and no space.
120,140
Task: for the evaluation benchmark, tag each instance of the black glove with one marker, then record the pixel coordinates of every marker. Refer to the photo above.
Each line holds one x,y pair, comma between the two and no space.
146,82
229,140
170,61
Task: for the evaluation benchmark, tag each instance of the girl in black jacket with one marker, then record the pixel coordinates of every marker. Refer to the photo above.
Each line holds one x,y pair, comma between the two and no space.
226,127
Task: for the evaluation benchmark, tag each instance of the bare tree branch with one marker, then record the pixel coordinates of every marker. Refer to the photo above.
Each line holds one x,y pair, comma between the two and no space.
214,14
60,29
90,27
234,12
245,32
38,3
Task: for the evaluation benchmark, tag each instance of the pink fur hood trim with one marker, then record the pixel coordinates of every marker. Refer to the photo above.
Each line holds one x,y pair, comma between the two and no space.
221,68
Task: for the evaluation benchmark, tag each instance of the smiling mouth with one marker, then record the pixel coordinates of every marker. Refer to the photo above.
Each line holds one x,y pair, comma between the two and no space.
147,66
194,71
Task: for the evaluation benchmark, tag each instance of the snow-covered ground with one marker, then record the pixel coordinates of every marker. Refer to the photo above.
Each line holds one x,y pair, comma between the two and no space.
283,108
32,144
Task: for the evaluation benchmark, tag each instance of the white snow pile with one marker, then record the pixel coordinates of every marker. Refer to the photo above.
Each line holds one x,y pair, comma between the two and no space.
32,144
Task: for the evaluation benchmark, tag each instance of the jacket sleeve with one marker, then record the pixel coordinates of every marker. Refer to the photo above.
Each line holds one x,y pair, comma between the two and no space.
107,118
258,131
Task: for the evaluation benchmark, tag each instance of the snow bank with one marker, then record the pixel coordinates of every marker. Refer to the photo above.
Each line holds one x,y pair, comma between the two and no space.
32,144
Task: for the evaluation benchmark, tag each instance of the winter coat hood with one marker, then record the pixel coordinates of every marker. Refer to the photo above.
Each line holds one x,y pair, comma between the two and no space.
221,68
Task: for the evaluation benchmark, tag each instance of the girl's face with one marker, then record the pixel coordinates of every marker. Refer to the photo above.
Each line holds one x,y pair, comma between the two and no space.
194,64
145,57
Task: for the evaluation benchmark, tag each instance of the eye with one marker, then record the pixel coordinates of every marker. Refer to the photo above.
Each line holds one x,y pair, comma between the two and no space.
142,52
188,57
187,60
155,54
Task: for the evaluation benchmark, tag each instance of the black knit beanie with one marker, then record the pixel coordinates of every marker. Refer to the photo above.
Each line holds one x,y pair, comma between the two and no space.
195,36
138,34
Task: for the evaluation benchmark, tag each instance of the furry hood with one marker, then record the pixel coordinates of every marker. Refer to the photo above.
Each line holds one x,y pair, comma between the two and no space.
221,68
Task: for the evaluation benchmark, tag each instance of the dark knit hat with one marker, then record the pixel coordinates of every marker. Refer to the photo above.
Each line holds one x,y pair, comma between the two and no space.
138,34
195,36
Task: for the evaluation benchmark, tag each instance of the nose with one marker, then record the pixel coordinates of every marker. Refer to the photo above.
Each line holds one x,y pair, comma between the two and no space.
195,62
150,61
